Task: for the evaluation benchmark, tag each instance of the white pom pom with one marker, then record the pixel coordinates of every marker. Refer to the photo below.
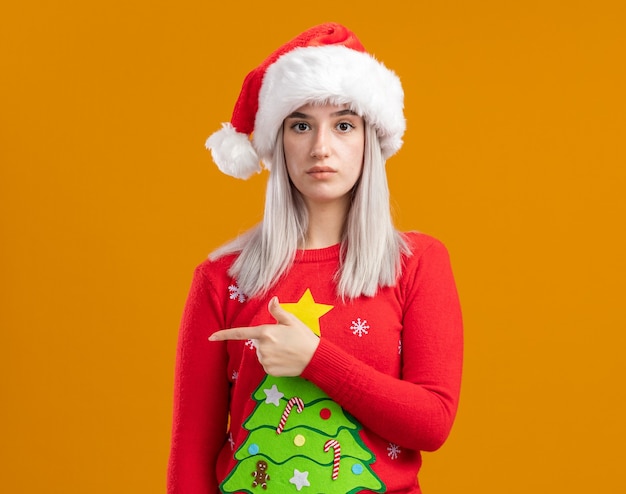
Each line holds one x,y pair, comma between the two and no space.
233,153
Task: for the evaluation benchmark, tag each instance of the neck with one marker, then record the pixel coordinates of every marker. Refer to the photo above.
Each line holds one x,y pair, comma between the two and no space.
326,223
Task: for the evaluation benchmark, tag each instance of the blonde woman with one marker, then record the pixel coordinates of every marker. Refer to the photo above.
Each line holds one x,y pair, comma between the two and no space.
322,350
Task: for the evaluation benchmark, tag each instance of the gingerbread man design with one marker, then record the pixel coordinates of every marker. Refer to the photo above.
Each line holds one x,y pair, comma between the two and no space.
260,475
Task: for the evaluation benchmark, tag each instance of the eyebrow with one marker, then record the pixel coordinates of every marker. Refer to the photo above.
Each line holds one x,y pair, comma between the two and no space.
339,113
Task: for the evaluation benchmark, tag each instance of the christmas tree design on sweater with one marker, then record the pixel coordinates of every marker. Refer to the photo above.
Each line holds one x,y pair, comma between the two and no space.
300,440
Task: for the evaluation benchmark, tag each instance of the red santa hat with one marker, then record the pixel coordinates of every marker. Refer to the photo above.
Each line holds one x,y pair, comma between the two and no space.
326,63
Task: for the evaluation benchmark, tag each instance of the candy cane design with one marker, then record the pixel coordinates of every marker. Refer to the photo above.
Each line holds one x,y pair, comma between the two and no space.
332,443
292,401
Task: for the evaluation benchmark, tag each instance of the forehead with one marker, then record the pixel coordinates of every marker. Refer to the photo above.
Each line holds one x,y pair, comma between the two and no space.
321,110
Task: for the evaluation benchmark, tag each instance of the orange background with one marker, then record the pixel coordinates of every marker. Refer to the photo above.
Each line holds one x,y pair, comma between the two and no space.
514,157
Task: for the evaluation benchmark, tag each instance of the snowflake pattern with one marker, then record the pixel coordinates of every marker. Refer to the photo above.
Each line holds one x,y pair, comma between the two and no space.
359,328
235,375
231,441
250,344
393,451
236,293
400,347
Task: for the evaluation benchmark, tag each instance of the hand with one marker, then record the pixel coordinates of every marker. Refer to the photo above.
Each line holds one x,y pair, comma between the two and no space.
284,348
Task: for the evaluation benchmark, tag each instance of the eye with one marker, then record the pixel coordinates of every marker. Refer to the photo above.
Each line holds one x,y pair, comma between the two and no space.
301,127
344,127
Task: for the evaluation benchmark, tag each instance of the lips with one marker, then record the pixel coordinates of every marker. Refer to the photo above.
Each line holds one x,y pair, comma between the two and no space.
320,169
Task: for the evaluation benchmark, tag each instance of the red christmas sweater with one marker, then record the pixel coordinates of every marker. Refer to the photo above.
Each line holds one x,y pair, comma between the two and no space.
382,386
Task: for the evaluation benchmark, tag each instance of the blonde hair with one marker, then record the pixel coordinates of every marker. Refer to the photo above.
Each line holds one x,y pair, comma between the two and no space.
371,247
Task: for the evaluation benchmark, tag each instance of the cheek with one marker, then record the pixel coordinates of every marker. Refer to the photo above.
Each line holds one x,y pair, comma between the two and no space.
356,155
293,154
289,165
356,147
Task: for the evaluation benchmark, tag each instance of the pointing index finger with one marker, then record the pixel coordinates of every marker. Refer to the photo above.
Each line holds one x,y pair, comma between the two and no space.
235,334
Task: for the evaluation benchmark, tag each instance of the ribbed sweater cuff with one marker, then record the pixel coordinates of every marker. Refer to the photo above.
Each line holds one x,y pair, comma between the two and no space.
329,367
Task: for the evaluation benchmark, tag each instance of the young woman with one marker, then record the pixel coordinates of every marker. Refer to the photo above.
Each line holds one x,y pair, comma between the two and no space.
321,351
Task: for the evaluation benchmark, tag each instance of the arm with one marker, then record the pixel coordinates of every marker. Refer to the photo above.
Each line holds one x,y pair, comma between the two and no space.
201,395
419,409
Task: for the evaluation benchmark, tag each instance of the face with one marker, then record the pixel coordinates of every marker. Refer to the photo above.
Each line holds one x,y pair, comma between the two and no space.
324,147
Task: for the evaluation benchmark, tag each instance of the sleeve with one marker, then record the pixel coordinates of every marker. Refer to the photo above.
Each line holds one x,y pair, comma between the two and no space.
201,394
419,408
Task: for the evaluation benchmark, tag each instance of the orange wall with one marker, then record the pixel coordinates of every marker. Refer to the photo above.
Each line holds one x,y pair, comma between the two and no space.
514,157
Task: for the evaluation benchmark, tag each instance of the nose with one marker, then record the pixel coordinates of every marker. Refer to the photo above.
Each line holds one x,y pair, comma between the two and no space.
321,145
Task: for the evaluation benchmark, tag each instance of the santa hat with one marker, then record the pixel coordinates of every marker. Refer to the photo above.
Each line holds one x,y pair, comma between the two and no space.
325,63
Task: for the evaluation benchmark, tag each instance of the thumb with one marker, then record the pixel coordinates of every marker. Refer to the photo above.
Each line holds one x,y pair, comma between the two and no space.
278,313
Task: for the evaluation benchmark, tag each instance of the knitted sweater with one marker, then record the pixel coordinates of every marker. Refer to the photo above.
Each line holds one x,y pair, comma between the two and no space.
382,385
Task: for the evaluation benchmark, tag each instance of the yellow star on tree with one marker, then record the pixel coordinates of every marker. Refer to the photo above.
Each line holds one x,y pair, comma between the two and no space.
308,311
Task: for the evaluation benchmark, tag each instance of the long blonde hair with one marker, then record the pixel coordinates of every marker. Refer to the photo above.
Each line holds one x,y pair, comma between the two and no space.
371,247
